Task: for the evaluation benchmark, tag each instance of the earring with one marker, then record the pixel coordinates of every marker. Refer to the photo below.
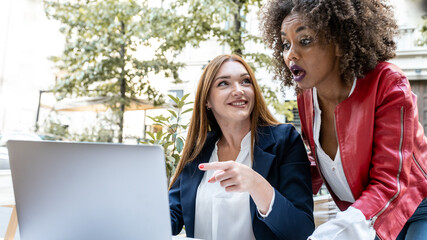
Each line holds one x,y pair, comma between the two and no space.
208,108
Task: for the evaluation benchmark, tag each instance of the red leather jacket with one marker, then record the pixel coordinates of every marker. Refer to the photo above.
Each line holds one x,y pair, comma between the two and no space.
382,145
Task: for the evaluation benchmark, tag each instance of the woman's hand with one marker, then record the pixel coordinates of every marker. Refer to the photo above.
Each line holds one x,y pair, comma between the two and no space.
237,177
233,176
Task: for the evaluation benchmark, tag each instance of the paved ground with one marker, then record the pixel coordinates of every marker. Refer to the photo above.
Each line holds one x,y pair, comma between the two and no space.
6,189
6,198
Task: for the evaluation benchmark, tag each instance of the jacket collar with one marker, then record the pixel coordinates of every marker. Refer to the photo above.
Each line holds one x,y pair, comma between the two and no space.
262,159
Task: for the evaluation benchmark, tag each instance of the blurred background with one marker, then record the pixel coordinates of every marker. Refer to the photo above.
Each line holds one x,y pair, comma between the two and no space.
36,58
127,70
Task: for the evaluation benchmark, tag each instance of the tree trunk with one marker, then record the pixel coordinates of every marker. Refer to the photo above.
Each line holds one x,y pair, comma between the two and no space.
237,27
122,87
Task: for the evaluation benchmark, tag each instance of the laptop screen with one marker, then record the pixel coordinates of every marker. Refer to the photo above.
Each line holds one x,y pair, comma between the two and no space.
89,190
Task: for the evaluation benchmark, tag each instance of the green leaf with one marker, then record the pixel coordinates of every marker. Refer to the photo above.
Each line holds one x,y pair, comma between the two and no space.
175,99
187,110
185,97
167,145
179,144
159,135
173,113
151,135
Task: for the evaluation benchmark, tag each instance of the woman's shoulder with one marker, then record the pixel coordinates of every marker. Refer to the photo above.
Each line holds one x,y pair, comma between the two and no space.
386,72
283,127
277,127
387,79
279,131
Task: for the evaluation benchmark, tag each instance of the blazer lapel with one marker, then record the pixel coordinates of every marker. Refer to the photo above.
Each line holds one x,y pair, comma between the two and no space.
262,159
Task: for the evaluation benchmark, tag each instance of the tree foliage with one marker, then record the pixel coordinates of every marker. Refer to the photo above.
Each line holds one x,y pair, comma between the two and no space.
423,40
225,21
281,107
422,4
111,47
170,134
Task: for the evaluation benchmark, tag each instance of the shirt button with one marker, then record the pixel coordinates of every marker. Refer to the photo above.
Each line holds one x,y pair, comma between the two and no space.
333,168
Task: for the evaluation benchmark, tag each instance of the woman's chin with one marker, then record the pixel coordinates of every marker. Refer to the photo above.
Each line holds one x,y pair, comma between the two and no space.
303,86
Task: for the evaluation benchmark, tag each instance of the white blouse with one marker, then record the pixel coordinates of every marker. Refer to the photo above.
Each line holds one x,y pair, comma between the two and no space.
222,215
332,170
350,224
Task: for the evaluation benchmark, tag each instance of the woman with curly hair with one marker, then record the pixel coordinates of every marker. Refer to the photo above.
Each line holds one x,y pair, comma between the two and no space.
242,174
358,115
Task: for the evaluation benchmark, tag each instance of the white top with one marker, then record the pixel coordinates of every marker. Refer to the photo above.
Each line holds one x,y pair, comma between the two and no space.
350,224
332,170
222,215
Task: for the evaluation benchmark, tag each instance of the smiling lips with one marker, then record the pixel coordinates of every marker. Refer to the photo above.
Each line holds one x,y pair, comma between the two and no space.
297,72
238,103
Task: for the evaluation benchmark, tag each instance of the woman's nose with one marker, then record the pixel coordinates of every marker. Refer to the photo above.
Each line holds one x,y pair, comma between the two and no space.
238,90
291,54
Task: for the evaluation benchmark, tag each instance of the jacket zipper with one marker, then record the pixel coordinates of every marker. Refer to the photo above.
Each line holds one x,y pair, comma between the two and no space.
398,173
419,166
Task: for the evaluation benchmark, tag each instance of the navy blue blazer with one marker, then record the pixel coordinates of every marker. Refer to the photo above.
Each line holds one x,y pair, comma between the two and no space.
281,158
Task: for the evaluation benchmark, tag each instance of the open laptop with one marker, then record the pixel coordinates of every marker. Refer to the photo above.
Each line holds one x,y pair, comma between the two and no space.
89,190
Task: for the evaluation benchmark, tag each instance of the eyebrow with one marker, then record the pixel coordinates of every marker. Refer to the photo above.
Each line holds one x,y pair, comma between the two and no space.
228,76
298,30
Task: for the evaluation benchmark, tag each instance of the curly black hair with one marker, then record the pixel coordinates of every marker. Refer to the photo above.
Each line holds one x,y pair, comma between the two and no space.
363,29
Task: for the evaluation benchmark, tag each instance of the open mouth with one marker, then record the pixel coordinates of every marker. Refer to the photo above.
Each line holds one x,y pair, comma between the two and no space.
297,72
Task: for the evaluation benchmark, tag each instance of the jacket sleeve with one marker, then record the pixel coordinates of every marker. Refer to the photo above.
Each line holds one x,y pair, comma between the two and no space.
292,212
177,221
392,147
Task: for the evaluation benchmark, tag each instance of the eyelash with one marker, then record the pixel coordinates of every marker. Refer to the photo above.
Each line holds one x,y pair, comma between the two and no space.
303,42
244,81
306,41
222,83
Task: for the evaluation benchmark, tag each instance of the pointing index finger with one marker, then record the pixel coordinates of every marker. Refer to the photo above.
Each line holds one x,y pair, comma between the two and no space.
215,166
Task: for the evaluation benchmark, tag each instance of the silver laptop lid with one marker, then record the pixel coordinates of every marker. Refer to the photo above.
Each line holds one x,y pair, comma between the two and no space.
89,190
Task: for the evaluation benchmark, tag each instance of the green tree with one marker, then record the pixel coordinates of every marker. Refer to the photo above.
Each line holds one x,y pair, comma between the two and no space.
171,131
100,56
423,40
281,107
224,20
422,4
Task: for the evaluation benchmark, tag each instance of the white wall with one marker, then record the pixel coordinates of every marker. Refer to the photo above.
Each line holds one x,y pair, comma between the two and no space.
27,38
412,59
